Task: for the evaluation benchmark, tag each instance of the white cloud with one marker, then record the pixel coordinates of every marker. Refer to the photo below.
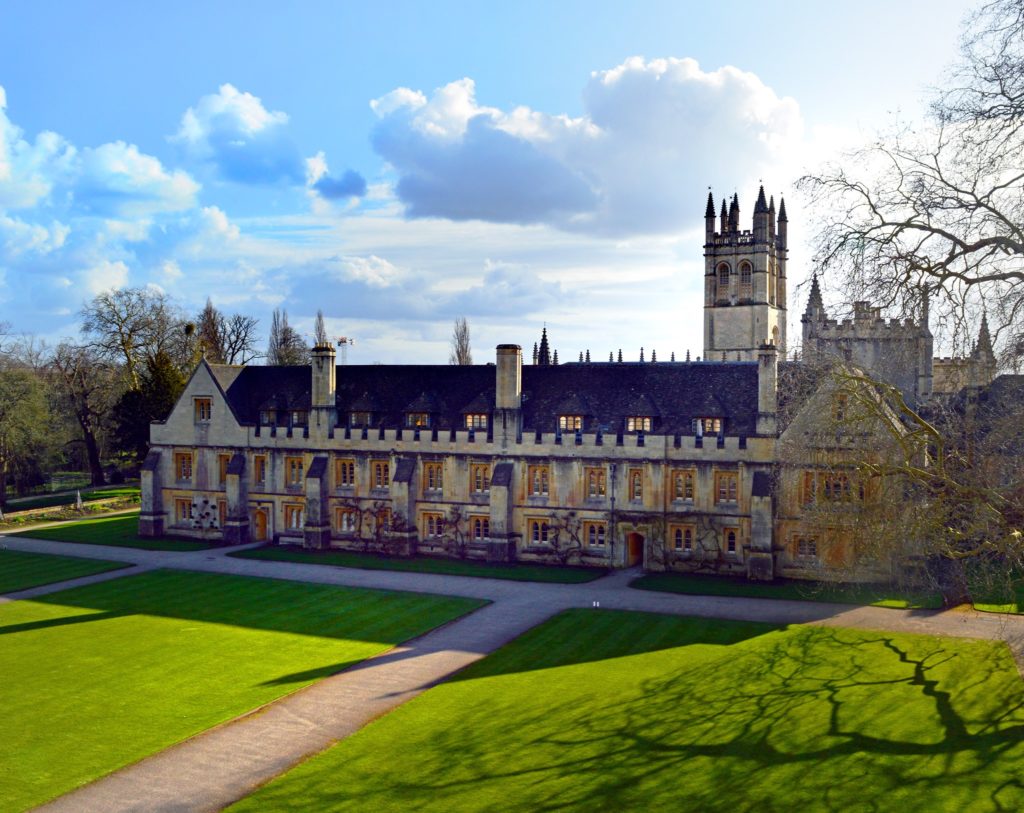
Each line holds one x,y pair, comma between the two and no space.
104,276
244,141
117,178
653,133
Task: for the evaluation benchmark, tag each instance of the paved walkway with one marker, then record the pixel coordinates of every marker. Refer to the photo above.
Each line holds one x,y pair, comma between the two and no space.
221,765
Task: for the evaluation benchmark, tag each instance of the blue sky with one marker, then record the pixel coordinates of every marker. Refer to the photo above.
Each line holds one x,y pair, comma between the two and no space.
402,164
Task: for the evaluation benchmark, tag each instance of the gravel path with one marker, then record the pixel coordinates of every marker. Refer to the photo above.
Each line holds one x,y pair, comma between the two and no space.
219,766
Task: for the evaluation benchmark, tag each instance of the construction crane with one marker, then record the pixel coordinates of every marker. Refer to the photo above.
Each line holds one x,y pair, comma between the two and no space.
344,342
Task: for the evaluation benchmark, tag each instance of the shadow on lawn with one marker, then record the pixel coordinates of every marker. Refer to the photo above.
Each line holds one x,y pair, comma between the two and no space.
376,616
63,621
814,719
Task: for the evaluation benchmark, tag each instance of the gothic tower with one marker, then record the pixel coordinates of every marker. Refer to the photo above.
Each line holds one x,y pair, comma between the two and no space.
744,281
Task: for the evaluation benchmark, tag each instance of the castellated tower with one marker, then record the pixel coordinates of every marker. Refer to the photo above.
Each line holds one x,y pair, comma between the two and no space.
744,281
899,352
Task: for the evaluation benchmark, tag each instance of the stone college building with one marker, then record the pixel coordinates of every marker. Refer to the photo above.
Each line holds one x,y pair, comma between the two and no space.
668,464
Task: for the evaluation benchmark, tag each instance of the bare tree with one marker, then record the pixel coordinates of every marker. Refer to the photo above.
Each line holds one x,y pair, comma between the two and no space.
127,326
240,339
85,382
320,330
286,345
940,206
211,330
933,500
460,349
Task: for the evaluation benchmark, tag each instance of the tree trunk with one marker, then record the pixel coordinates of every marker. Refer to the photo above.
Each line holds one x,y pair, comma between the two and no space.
92,451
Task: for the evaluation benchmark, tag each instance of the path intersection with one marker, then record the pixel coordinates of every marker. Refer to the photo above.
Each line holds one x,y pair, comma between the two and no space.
217,767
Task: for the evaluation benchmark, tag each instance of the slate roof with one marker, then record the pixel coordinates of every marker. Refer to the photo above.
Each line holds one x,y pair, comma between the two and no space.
673,393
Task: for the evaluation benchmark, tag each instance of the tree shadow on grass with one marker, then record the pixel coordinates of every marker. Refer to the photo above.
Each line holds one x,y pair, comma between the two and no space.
808,718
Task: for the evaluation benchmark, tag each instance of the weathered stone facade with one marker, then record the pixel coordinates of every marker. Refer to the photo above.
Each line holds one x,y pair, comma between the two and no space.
669,465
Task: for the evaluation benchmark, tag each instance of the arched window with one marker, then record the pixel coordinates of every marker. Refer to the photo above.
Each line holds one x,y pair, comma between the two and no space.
679,539
730,541
723,281
746,277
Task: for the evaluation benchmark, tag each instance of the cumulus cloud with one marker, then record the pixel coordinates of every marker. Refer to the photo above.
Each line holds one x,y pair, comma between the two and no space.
333,187
117,179
246,143
652,132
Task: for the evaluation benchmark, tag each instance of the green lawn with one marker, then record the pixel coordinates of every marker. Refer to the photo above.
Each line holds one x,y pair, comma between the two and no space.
20,571
599,710
88,495
875,595
121,531
1011,601
426,564
98,677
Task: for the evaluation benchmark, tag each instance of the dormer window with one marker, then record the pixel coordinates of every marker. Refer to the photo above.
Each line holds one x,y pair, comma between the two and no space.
476,420
707,426
299,417
359,419
415,419
638,423
570,423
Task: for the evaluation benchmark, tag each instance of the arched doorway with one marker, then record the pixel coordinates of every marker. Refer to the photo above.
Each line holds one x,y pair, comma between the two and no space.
259,525
634,549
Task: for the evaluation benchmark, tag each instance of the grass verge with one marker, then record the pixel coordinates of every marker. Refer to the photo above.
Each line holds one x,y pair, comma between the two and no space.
121,531
792,589
426,564
20,570
600,710
98,677
128,493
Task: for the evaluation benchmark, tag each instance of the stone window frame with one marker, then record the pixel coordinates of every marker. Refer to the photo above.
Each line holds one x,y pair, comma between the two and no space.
727,487
479,527
202,408
538,480
731,541
223,461
681,537
635,485
595,482
184,463
433,476
294,471
479,478
380,474
538,531
346,519
595,533
476,420
183,510
344,472
293,519
684,485
259,469
805,548
432,525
